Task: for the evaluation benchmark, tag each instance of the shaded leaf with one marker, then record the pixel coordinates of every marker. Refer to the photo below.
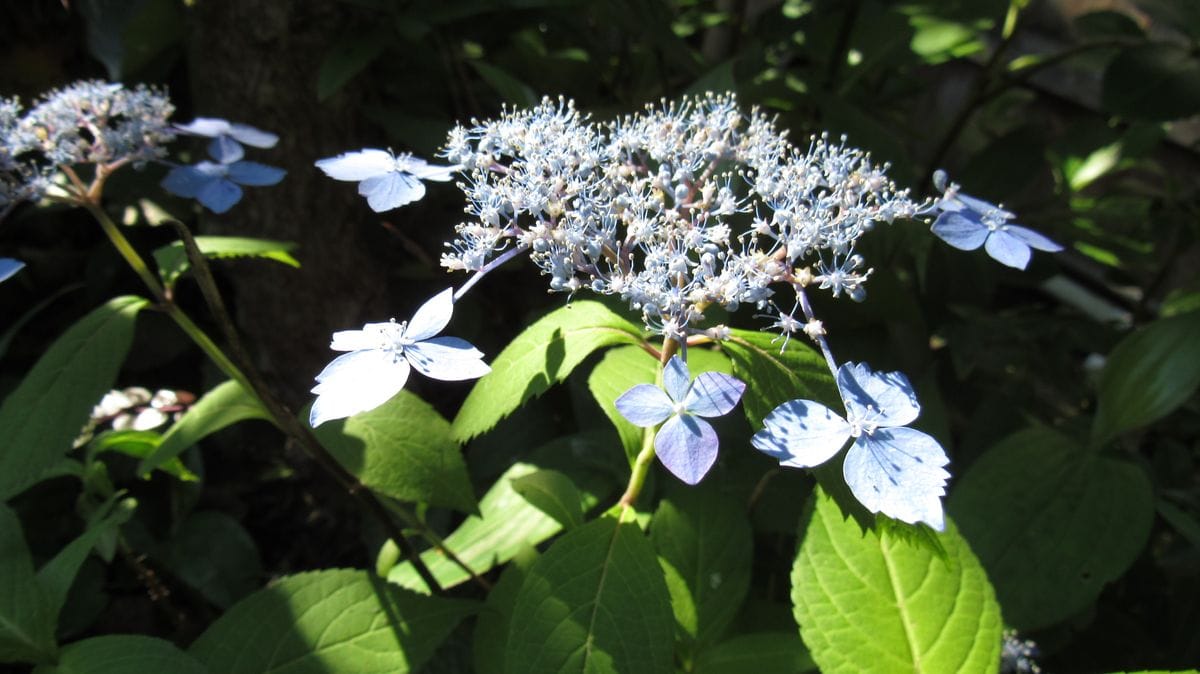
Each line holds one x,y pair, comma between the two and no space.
554,494
763,652
347,58
214,554
226,404
173,262
26,618
1157,82
123,654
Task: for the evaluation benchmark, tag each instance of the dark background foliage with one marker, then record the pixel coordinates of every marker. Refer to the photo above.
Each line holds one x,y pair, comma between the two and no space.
1081,117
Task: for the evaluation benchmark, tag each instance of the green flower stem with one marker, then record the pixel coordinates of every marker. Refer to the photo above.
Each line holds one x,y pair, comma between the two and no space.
283,418
641,465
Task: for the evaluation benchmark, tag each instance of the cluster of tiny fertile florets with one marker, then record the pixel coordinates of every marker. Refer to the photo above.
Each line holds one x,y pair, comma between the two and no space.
674,209
89,122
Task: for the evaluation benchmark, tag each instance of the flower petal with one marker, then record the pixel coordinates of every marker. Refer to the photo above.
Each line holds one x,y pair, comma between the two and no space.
1033,239
898,472
960,231
357,166
372,336
676,378
432,316
644,405
1008,249
253,136
391,190
225,149
219,196
187,181
8,267
802,434
687,446
205,126
447,358
984,207
356,382
881,398
426,171
255,174
713,394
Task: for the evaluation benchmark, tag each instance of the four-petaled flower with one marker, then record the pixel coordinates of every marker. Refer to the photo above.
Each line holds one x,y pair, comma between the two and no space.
382,355
968,223
216,185
891,469
227,137
387,181
686,444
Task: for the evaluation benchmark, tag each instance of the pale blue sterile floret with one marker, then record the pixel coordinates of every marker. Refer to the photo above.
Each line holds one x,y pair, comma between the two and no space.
217,185
382,355
387,181
890,468
686,444
228,137
967,223
9,267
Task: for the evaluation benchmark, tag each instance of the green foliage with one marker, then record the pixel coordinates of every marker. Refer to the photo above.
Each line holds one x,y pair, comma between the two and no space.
544,354
796,371
123,654
594,602
214,554
871,602
554,494
404,449
1071,522
334,620
1155,81
1149,374
760,652
26,622
225,404
43,415
173,261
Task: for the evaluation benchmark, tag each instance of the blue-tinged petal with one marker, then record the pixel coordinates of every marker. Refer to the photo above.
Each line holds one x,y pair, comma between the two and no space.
1008,249
391,190
960,231
356,382
676,378
253,136
219,195
432,316
424,170
878,398
644,405
8,267
372,336
801,434
255,174
898,472
357,166
206,126
713,394
187,181
687,446
984,207
447,358
225,149
1033,239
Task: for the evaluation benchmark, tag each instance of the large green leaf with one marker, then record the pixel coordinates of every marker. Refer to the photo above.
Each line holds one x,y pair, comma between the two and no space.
1157,82
763,652
495,620
226,404
704,537
877,603
776,376
139,445
403,449
337,620
123,654
506,523
26,616
545,353
1148,374
595,602
58,574
43,415
173,261
1052,523
554,494
213,553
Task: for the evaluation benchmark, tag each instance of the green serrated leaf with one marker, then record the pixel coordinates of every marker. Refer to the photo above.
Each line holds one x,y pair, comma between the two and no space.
123,654
26,621
542,355
403,449
620,369
139,445
760,652
705,537
214,554
347,58
506,523
595,602
796,372
173,261
57,575
873,603
1148,375
491,628
226,404
41,418
1052,523
554,494
338,620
